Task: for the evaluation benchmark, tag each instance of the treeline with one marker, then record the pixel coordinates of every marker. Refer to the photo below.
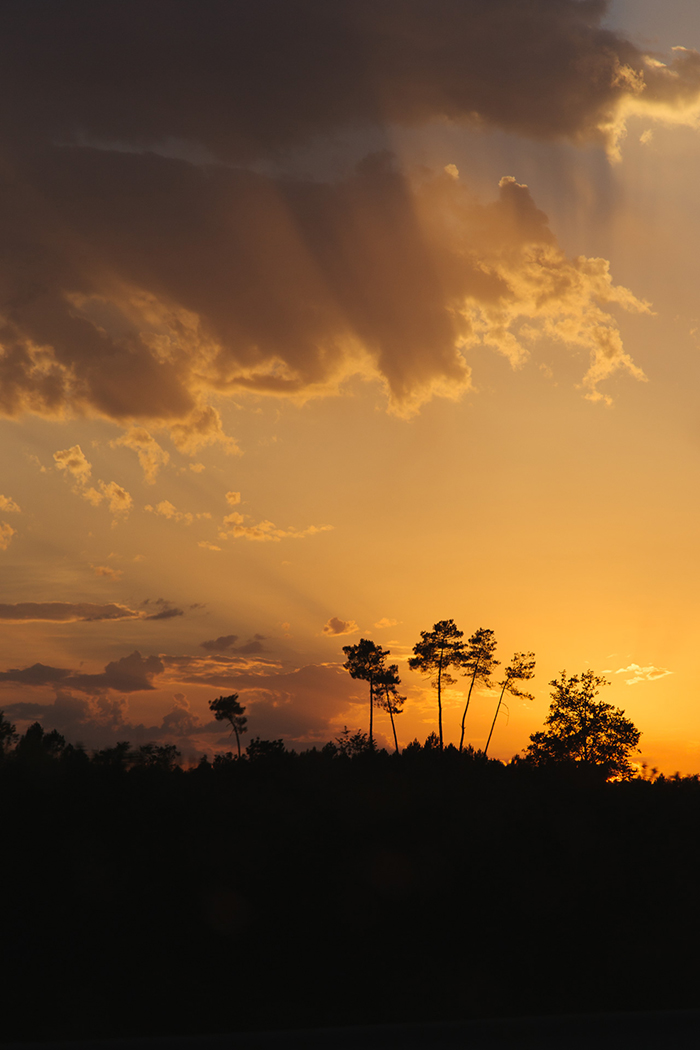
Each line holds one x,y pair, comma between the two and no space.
333,887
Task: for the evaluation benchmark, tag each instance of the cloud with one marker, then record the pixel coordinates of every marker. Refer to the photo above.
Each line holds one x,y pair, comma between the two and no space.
202,427
166,610
118,499
6,534
65,612
73,612
226,644
151,456
231,497
208,546
130,674
166,510
38,674
335,627
8,504
304,704
345,64
385,622
265,531
144,285
74,462
221,644
101,720
642,674
107,572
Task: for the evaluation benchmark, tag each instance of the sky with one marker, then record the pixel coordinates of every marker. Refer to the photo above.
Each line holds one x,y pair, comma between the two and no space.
322,321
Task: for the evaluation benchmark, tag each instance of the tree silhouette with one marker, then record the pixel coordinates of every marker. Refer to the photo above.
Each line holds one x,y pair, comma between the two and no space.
8,734
228,709
37,746
436,652
116,757
388,696
584,730
479,664
350,744
520,669
157,756
366,662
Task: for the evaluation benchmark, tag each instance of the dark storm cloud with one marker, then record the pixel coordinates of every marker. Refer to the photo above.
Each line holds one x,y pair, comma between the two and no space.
244,79
133,285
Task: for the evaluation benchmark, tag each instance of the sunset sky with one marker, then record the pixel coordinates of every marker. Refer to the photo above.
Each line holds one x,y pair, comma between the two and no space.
330,319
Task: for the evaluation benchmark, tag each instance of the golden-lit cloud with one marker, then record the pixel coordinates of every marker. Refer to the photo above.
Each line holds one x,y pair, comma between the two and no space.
9,505
290,287
117,498
336,627
167,510
641,674
107,572
151,456
207,546
385,622
75,464
265,531
6,534
233,498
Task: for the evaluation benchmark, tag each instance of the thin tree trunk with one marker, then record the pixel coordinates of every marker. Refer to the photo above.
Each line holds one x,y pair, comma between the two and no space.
439,684
391,716
466,706
493,725
238,741
371,712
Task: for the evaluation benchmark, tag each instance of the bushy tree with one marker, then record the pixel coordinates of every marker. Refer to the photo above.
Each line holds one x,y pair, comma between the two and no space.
367,661
350,744
520,669
479,664
436,652
229,709
581,729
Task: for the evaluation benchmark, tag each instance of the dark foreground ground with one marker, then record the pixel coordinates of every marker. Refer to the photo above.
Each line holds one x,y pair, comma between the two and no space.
644,1031
307,893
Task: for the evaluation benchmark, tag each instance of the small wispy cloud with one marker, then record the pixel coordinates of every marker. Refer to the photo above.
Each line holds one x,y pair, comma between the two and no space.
265,531
641,674
107,572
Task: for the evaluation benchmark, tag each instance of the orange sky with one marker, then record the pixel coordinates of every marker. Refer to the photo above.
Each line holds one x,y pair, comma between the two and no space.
405,329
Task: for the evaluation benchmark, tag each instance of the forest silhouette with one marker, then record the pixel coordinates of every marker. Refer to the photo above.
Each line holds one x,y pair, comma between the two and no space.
347,884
